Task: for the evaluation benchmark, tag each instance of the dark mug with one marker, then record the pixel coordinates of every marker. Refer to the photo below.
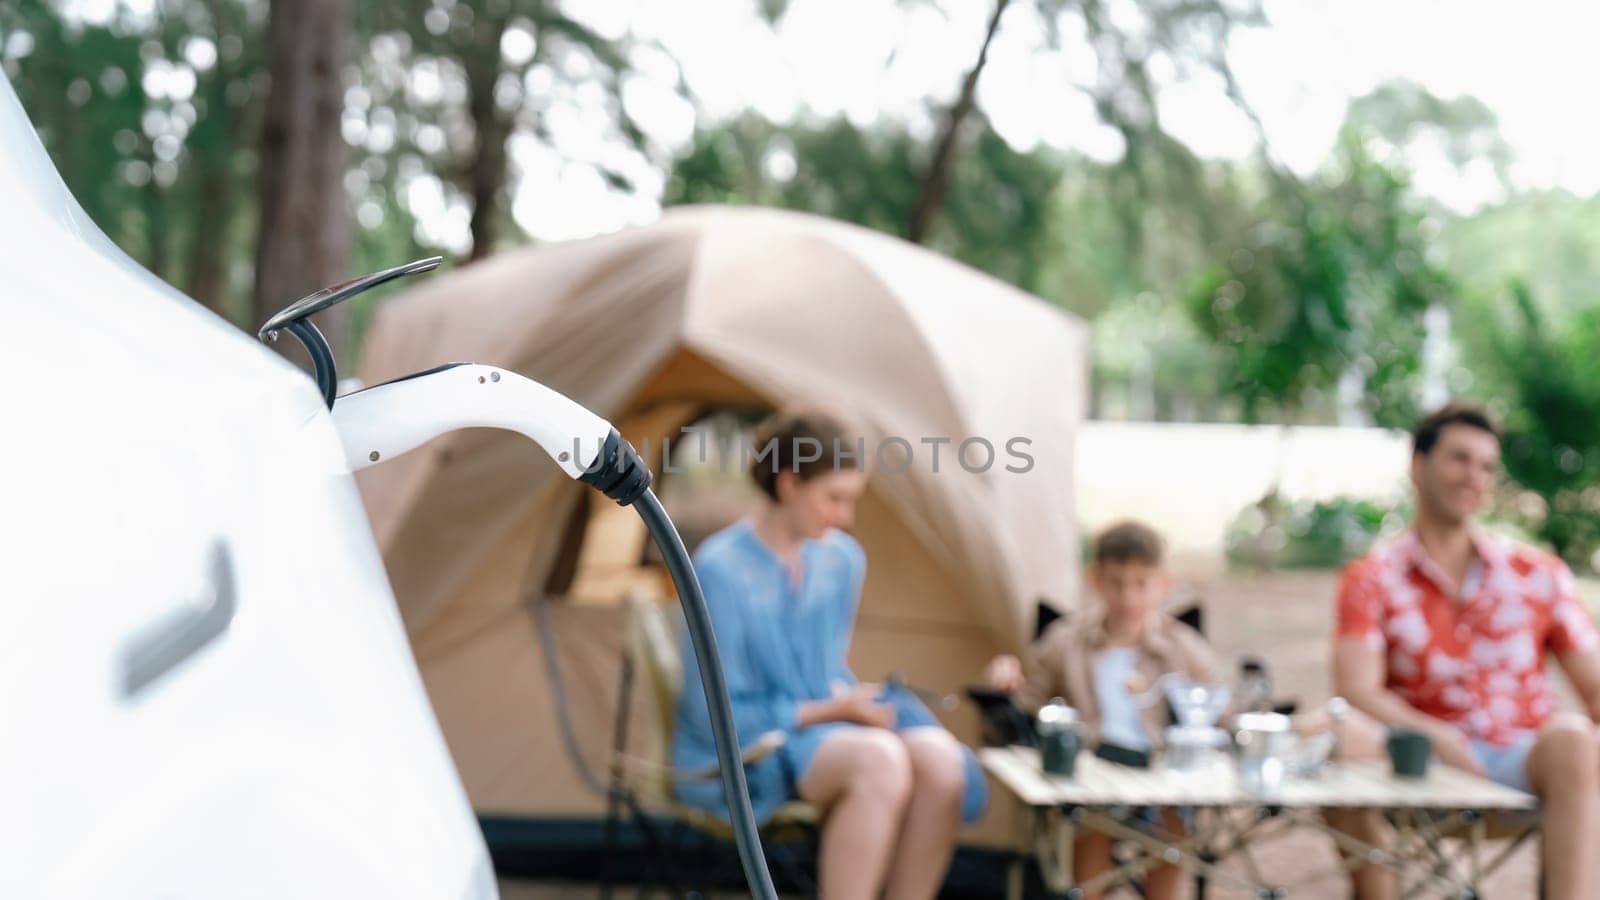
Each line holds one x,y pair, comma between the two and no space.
1060,751
1409,751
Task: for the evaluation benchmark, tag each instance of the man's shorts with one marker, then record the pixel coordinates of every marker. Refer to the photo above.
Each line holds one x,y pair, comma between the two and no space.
1507,765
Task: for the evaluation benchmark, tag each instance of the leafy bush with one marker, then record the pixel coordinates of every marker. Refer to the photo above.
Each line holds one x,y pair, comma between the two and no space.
1552,429
1322,534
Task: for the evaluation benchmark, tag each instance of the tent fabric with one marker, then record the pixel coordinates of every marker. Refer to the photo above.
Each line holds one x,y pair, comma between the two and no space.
714,307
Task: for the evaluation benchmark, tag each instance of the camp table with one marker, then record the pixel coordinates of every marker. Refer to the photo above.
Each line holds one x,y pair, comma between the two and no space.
1441,822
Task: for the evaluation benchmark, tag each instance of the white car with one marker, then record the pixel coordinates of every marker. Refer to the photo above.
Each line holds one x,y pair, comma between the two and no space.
205,687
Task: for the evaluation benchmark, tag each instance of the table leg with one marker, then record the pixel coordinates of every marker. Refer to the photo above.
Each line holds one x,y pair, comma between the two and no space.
1480,834
1066,841
1054,835
1158,845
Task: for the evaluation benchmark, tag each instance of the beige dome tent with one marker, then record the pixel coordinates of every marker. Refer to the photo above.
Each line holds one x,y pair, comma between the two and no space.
652,328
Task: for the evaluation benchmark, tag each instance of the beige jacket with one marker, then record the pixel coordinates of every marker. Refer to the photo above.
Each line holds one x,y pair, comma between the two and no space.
1061,664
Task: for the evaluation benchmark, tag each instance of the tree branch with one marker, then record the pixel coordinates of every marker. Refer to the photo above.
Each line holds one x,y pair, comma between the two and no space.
930,195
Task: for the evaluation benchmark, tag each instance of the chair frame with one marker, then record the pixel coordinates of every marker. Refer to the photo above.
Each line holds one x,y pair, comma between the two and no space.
641,789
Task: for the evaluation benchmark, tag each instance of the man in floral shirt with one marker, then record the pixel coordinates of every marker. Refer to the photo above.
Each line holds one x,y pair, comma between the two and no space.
1445,628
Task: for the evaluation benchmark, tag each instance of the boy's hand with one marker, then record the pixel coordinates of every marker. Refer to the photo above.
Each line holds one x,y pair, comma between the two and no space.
1004,673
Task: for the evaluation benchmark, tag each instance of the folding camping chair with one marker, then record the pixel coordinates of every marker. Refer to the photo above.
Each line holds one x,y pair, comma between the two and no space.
643,787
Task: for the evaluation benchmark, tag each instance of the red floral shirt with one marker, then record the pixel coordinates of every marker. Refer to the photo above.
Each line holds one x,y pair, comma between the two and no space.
1476,661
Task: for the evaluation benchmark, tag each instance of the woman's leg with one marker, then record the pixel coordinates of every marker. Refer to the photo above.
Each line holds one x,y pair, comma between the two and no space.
928,832
860,779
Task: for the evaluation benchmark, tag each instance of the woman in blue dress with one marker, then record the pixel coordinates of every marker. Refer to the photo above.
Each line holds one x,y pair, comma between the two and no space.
782,587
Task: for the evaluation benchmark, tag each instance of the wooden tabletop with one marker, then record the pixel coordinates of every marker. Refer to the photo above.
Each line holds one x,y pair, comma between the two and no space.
1097,783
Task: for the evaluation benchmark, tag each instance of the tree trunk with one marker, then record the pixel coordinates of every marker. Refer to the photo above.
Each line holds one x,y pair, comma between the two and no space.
214,142
486,174
304,238
155,204
206,271
930,195
213,157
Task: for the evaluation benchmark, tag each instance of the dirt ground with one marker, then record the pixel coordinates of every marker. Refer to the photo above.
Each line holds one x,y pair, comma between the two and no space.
1284,618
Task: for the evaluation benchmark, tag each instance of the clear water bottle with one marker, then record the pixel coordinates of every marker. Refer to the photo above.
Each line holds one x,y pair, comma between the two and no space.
1266,742
1254,693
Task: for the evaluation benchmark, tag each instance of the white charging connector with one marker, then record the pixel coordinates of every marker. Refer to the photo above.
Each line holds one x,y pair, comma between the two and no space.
381,422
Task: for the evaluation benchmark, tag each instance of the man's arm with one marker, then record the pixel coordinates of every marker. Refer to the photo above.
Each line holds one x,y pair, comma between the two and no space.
1574,640
1583,670
1358,676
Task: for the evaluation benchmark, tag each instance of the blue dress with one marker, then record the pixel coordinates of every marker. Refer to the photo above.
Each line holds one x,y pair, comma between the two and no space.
781,647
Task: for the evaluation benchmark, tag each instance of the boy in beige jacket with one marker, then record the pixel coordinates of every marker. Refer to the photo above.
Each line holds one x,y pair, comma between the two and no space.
1103,660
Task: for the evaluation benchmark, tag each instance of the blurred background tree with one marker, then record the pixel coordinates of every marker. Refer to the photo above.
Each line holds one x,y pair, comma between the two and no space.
1330,287
1551,447
459,80
1218,289
303,239
153,120
1000,214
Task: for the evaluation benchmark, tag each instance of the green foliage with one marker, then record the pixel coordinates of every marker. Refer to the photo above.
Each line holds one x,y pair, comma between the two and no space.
166,171
1401,112
1218,291
1146,350
485,95
1191,36
1334,281
833,169
1054,224
999,212
1550,235
1323,534
171,176
1552,435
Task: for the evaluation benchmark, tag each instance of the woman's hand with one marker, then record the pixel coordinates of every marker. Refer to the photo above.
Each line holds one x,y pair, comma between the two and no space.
1004,673
845,688
858,705
862,707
